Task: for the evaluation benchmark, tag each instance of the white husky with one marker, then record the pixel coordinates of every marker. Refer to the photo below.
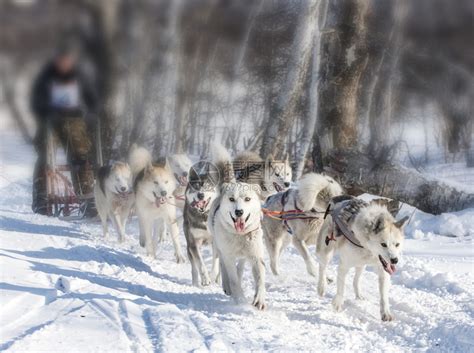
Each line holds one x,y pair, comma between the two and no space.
234,222
363,234
310,199
114,196
154,184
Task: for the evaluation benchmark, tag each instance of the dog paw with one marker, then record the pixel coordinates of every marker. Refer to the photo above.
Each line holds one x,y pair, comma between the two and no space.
387,317
360,297
180,259
205,281
311,270
337,303
329,280
259,304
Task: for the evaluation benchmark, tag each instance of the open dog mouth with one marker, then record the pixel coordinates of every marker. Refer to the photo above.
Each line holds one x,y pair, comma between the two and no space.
277,187
182,180
159,200
388,267
122,194
201,205
239,222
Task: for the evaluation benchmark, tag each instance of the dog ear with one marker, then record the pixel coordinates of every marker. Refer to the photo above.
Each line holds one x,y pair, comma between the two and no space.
379,224
402,222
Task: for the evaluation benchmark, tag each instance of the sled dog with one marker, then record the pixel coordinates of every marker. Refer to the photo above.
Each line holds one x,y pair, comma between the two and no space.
363,234
153,185
202,189
305,205
114,196
180,165
235,225
272,176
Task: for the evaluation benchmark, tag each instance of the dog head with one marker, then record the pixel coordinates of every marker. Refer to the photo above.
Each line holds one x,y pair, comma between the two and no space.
240,206
278,174
378,232
180,164
202,187
156,182
117,179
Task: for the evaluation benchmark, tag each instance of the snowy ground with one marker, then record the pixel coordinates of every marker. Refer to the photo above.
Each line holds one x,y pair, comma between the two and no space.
64,289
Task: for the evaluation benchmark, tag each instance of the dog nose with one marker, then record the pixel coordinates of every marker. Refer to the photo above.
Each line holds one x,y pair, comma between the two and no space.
185,174
200,195
163,193
123,188
239,213
286,184
394,260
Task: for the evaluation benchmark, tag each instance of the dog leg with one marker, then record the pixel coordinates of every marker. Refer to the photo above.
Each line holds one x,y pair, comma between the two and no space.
215,275
232,278
146,236
118,226
105,225
258,270
192,259
303,249
240,270
272,253
199,264
225,279
357,275
341,280
384,286
324,259
175,238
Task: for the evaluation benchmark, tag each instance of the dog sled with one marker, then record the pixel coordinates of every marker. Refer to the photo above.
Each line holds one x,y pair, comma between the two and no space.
62,200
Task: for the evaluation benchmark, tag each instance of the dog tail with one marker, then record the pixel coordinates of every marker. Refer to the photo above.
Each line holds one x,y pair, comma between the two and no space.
309,187
138,159
220,157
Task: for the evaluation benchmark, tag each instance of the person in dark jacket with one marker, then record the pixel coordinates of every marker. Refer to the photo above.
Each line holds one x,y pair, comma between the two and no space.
63,102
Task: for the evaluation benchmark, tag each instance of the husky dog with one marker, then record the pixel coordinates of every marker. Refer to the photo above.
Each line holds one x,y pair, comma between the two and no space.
180,164
310,198
363,234
234,223
154,185
114,196
272,176
200,192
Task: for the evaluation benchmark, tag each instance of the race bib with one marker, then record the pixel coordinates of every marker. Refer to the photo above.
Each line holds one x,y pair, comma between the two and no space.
65,95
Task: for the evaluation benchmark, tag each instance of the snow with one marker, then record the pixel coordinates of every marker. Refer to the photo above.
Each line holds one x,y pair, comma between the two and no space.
64,288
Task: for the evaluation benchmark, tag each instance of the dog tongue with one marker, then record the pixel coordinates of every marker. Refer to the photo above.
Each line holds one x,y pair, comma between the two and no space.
391,269
239,224
159,201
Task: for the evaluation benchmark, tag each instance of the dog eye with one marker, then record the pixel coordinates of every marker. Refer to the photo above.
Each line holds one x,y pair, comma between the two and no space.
312,210
156,183
231,199
397,245
247,199
277,174
384,245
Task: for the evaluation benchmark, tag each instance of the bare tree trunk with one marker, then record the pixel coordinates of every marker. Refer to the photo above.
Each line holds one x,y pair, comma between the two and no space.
310,121
360,173
281,114
344,59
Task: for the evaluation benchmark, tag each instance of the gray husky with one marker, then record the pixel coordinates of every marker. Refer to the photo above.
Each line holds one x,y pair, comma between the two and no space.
363,234
202,189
